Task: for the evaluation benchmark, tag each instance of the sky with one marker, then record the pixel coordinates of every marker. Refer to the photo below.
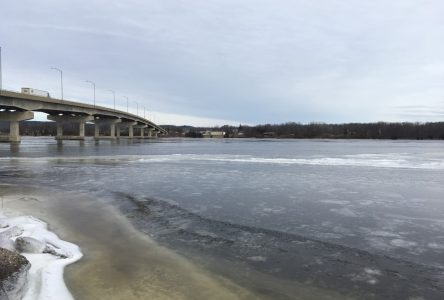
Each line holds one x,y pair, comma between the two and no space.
216,62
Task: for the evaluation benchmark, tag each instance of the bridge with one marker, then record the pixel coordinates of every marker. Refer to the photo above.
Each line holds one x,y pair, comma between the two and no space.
16,107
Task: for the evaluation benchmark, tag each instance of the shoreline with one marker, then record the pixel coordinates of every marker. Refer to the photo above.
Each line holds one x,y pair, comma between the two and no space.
120,262
45,277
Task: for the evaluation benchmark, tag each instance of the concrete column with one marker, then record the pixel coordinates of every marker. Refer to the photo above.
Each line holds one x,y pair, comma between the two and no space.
107,121
142,127
118,131
69,119
96,131
150,131
131,131
112,130
131,125
81,129
14,129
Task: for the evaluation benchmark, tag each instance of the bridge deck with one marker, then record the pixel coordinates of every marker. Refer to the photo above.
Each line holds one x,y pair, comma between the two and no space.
25,102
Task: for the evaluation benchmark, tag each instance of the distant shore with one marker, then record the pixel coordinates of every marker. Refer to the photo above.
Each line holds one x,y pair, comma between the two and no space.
290,130
315,130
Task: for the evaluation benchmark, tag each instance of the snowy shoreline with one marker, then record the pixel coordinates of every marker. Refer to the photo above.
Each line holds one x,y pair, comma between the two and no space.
45,277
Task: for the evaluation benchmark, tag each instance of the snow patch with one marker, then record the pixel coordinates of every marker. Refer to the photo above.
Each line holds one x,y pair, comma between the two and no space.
45,279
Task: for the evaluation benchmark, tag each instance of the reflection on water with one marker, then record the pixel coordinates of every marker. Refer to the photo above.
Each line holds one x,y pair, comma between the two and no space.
14,148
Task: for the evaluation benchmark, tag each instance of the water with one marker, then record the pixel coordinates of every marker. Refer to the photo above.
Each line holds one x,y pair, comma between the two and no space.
280,218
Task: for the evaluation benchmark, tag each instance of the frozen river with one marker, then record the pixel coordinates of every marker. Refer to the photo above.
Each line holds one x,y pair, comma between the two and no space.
363,219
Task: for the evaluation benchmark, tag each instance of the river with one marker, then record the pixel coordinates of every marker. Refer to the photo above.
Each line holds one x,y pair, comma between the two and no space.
239,218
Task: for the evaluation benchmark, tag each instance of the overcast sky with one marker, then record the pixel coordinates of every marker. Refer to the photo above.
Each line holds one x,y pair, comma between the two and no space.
211,62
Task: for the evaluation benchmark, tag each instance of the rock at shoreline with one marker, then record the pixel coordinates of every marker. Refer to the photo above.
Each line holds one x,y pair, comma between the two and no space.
32,245
53,250
13,273
29,245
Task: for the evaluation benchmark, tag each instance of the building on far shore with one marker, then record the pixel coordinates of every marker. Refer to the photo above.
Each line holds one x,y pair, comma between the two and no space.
213,134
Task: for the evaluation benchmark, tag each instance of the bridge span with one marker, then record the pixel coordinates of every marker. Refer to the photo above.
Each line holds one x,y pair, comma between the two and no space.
16,107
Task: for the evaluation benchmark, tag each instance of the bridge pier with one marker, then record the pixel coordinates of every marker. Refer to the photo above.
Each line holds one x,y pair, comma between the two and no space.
14,128
142,127
106,121
130,125
69,119
130,131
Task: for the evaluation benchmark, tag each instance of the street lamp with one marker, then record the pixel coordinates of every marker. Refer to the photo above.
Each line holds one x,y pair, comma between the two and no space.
1,78
61,79
114,94
94,86
127,104
144,112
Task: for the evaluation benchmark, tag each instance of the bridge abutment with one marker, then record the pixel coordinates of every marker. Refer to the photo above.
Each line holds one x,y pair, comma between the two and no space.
14,128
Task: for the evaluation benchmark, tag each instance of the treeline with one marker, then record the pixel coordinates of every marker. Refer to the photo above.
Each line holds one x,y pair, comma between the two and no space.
380,130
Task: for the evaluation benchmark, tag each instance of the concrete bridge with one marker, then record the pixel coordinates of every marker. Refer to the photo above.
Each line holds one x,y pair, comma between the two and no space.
16,107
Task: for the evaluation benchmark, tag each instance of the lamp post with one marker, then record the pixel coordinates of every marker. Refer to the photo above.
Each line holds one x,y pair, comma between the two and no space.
61,80
144,112
114,94
127,103
94,86
1,78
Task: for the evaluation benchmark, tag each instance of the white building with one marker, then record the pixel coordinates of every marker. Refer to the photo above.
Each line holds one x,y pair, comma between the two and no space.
213,134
